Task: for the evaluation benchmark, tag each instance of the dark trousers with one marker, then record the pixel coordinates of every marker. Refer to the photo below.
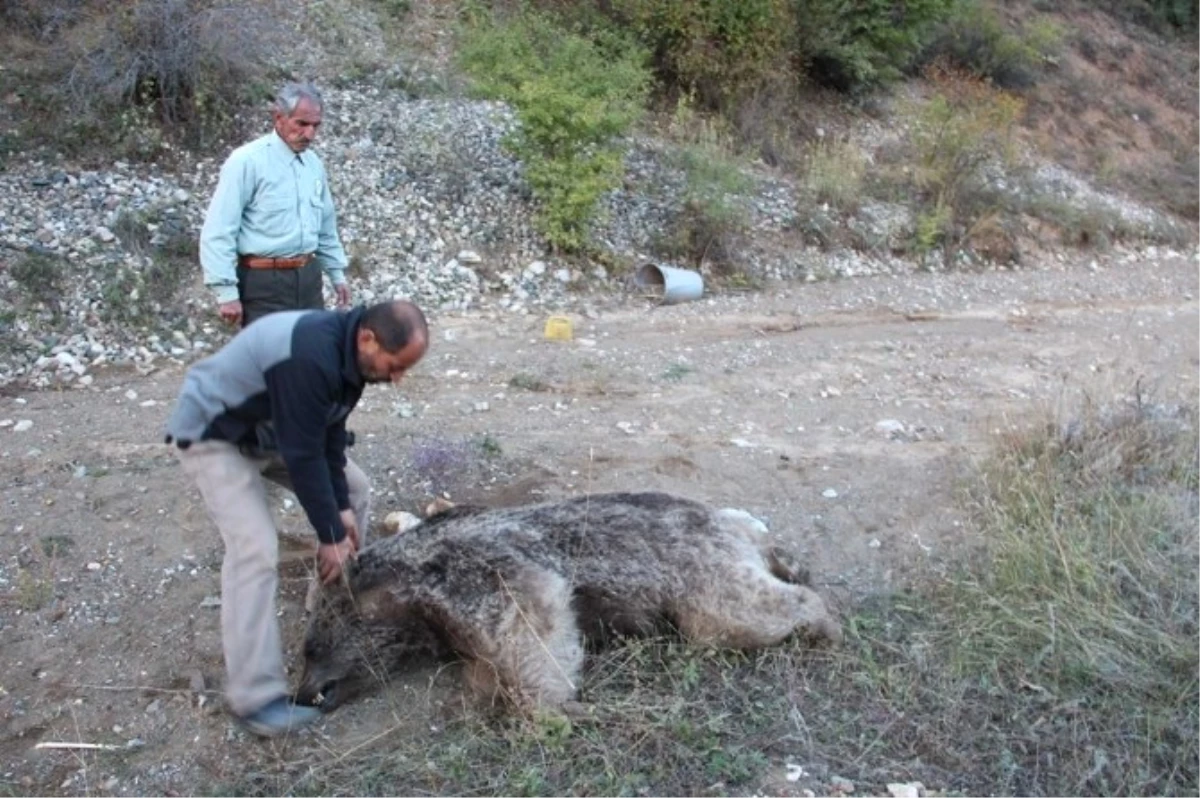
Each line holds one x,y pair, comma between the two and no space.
264,291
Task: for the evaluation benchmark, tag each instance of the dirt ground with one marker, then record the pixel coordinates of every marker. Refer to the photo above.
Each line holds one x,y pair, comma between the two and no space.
845,414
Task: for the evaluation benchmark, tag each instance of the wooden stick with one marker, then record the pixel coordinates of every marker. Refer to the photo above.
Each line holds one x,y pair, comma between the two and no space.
82,746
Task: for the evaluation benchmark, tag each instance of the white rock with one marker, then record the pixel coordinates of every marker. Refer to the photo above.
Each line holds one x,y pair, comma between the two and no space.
829,493
481,407
889,426
23,425
400,521
94,566
7,422
537,268
563,275
469,256
912,789
66,359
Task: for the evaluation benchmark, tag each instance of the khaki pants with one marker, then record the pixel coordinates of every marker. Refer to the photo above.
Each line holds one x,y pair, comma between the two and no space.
233,491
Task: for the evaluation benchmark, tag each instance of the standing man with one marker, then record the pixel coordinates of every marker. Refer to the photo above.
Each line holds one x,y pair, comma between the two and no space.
273,402
271,229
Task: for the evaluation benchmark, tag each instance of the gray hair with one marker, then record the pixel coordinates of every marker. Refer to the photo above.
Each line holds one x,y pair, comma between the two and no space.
291,94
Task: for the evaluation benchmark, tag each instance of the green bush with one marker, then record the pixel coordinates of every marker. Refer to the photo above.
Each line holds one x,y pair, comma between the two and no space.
42,278
712,49
1164,16
956,138
711,219
167,253
1180,14
573,96
975,38
849,46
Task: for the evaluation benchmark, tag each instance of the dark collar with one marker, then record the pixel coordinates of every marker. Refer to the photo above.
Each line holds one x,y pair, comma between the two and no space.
351,320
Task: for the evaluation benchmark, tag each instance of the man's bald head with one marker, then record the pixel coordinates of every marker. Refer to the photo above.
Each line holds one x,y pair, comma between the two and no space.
395,324
392,337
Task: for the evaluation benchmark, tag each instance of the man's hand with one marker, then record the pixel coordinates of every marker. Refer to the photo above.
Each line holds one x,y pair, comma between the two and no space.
231,312
342,291
332,558
350,522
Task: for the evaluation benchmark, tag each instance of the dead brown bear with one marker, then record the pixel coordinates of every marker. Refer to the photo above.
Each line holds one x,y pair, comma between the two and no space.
517,593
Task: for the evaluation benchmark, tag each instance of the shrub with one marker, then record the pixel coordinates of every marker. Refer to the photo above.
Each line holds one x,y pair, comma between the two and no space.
957,137
1170,181
42,278
573,95
711,219
712,49
184,65
1164,16
1182,14
165,254
976,39
850,46
41,19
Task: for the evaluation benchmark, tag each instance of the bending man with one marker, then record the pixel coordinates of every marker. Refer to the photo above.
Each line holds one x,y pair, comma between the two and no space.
273,402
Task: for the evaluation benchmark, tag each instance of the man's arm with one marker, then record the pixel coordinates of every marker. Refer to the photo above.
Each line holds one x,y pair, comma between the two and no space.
218,236
335,454
301,404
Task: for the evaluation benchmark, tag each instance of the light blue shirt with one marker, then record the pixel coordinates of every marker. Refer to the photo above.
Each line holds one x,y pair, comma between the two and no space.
270,202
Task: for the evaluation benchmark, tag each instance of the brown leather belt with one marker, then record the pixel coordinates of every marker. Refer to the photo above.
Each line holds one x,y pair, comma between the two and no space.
256,262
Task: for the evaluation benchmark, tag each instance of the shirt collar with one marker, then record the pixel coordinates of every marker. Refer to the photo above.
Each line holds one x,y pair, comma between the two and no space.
350,372
278,144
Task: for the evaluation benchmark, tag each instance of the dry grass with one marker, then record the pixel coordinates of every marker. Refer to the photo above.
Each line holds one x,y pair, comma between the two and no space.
834,173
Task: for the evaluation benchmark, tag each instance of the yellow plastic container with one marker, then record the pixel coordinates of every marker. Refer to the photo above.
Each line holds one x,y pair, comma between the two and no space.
558,328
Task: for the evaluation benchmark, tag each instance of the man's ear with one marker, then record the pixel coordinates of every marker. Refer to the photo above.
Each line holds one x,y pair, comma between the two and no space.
367,342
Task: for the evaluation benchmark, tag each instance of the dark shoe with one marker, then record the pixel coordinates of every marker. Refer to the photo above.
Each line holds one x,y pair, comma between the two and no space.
279,717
